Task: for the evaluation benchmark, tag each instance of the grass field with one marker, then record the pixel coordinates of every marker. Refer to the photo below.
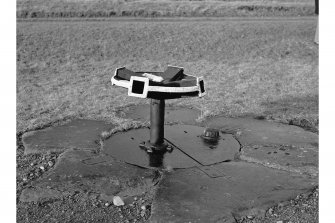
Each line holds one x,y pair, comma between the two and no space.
266,68
165,8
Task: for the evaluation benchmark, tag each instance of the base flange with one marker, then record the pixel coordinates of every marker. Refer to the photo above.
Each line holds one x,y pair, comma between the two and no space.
151,148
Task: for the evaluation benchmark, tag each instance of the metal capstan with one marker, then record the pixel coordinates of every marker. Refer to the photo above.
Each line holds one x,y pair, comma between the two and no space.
158,86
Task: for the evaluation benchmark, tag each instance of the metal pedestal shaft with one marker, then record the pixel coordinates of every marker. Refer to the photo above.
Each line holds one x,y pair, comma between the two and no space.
157,111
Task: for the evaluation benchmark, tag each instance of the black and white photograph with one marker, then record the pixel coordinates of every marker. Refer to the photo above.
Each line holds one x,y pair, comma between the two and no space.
167,111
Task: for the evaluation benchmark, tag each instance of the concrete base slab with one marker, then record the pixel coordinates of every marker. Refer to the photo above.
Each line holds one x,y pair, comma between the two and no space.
257,132
172,114
277,162
292,158
75,134
273,144
246,189
83,171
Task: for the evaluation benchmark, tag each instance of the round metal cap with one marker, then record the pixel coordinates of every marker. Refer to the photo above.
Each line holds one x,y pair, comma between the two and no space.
211,134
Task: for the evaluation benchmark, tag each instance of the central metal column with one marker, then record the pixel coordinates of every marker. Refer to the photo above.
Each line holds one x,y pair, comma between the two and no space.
157,111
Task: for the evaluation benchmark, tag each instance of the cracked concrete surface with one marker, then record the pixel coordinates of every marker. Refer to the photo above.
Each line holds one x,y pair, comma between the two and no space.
82,171
276,163
75,134
272,144
246,189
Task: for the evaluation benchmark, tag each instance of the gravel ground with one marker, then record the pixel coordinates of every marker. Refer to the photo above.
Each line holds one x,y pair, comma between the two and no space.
304,208
77,207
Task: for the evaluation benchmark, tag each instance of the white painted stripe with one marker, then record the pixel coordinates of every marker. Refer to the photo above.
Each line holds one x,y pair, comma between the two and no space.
126,84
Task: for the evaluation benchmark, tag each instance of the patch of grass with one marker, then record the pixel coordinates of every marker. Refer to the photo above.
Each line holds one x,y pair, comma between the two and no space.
263,67
159,8
122,127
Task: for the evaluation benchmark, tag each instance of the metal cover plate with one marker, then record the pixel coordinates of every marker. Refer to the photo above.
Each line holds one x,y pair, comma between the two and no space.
187,138
125,146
